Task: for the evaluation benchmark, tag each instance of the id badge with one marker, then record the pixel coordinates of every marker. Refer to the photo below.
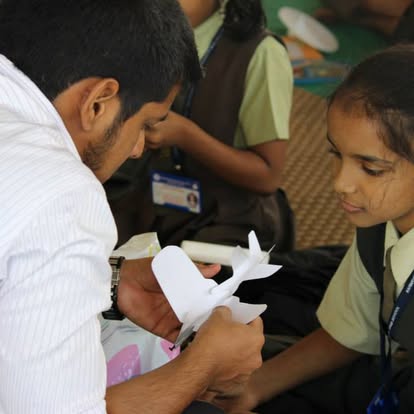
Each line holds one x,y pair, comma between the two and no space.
176,191
384,402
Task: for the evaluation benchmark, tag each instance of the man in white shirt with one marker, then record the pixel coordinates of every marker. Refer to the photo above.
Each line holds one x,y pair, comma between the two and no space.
79,83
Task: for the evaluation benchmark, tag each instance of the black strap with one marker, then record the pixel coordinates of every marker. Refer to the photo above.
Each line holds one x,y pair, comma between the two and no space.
202,407
371,239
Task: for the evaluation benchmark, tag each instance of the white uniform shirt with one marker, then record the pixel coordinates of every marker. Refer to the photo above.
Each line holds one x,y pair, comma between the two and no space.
56,233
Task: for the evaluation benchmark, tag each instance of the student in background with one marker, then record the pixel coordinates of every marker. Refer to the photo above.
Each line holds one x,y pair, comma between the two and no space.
361,356
226,138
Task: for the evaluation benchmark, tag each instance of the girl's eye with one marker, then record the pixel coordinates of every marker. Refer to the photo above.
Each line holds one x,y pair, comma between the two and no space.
334,152
373,172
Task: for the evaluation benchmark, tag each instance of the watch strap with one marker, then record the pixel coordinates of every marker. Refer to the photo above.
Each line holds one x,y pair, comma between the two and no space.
113,313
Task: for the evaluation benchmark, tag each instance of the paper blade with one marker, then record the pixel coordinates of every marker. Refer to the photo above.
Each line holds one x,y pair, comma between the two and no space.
180,280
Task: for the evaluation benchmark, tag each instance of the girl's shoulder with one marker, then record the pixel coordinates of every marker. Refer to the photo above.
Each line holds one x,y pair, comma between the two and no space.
271,53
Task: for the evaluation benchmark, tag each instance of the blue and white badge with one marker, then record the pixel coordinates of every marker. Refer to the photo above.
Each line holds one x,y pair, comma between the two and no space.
175,191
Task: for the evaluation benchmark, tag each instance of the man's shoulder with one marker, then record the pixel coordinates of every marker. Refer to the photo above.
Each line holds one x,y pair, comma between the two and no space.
38,165
30,151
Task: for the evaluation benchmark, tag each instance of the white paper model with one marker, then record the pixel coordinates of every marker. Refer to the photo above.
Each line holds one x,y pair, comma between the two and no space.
193,297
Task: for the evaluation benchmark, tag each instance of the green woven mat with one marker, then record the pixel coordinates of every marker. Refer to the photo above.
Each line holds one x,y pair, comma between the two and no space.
355,42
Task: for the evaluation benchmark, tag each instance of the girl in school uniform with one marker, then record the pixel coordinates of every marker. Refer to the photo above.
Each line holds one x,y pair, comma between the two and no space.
359,360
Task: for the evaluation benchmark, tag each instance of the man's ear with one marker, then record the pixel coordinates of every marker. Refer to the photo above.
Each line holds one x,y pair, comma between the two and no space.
99,101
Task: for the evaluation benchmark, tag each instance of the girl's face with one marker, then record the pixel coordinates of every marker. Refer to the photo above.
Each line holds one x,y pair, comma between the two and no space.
374,185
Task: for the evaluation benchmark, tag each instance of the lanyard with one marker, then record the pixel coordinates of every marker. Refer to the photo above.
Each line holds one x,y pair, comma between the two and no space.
388,332
177,155
401,303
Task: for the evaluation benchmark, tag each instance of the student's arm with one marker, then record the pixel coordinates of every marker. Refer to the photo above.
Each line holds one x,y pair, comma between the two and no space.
257,169
221,353
314,356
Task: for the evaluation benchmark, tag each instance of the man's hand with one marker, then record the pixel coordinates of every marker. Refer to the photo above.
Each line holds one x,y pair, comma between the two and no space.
141,299
233,348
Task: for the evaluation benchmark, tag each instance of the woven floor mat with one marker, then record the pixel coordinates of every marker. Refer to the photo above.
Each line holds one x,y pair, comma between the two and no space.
308,177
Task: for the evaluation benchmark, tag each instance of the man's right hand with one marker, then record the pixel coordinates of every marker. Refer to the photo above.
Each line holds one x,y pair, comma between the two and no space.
232,349
221,357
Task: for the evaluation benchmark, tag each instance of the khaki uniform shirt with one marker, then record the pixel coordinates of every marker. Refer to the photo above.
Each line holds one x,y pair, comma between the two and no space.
265,110
349,310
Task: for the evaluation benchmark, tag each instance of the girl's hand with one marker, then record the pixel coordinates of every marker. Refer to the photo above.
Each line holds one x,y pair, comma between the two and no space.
166,133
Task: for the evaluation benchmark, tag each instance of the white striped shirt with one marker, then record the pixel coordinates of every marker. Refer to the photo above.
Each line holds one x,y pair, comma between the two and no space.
56,234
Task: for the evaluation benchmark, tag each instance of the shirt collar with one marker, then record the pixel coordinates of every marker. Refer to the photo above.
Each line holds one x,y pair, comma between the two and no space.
204,33
24,97
402,257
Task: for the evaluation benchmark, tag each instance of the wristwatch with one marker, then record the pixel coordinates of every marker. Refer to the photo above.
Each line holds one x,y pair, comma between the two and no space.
113,312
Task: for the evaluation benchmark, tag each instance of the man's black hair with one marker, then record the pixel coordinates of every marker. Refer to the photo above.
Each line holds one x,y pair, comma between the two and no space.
147,45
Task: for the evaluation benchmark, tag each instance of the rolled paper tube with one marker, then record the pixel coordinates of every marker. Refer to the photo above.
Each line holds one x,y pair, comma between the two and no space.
213,253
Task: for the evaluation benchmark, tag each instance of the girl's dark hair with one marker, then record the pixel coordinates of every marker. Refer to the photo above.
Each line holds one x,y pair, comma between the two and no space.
243,18
382,89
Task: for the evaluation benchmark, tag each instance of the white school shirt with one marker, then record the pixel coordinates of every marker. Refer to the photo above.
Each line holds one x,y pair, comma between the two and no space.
56,234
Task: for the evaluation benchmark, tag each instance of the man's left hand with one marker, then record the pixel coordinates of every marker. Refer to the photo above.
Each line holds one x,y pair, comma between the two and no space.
141,299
